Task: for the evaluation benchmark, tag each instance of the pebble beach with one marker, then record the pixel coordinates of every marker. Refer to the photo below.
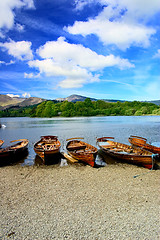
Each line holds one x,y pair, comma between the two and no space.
118,201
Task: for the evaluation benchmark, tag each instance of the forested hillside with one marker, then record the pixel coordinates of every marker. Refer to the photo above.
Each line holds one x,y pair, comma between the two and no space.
85,108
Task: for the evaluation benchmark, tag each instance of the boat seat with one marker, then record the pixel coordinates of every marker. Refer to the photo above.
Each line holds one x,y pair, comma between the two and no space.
108,146
72,148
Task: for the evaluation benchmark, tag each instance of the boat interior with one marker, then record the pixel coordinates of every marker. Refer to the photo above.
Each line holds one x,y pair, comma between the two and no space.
120,147
78,147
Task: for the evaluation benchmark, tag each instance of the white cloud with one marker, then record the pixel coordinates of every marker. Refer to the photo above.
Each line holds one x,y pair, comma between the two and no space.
12,95
7,63
121,22
19,27
72,54
7,11
75,64
20,50
122,34
139,9
26,95
31,75
157,55
133,8
28,75
69,73
71,83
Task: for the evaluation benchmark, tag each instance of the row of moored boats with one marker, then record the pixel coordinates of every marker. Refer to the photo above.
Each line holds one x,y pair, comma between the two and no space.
48,149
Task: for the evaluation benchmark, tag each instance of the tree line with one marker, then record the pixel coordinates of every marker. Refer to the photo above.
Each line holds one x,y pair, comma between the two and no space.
86,108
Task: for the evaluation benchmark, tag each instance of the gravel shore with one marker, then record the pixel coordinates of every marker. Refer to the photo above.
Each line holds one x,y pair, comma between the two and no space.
79,202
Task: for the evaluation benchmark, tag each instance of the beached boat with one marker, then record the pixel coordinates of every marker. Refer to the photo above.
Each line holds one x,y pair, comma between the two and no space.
48,149
127,153
1,142
13,152
81,151
142,143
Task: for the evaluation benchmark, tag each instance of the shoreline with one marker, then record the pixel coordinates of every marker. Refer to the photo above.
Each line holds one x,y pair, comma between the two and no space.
60,117
79,202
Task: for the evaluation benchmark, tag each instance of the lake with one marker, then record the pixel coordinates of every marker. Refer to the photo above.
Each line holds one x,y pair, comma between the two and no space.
119,127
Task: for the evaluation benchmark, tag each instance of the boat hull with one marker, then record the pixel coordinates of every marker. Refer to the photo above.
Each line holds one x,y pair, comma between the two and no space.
142,143
48,149
82,151
48,157
129,154
14,152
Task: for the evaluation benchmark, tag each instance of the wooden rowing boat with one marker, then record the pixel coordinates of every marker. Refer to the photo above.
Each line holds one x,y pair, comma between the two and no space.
142,143
48,149
1,142
126,153
13,152
81,151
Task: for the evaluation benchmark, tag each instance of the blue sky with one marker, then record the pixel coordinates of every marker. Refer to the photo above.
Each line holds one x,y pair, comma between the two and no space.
105,49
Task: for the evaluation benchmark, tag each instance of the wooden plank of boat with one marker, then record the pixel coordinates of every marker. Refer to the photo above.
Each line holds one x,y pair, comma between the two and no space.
20,146
48,149
1,142
127,153
81,151
69,158
142,143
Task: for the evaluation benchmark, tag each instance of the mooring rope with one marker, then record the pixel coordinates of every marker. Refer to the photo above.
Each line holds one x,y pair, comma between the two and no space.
154,156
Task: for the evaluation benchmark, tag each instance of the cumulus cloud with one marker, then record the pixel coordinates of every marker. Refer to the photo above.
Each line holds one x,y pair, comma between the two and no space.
7,63
133,8
26,95
75,64
13,95
20,50
122,34
7,12
121,22
31,75
77,55
19,27
157,55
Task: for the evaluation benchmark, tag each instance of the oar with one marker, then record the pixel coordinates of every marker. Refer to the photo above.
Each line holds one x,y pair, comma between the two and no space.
69,158
142,174
74,138
18,140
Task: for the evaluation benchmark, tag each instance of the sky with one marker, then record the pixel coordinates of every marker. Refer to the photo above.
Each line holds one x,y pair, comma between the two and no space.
104,49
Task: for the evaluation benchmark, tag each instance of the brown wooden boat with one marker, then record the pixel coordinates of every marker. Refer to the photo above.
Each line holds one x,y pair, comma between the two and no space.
81,151
142,143
126,153
48,149
13,152
1,142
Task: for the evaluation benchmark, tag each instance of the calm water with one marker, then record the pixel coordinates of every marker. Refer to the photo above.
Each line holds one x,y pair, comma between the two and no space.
120,127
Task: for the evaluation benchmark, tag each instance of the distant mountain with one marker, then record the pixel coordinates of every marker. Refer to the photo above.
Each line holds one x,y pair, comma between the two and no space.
31,101
7,101
74,98
157,102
